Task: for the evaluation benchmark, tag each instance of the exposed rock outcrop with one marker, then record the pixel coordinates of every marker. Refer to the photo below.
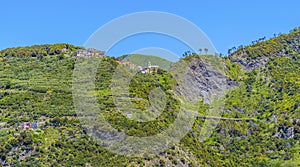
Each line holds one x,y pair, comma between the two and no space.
200,78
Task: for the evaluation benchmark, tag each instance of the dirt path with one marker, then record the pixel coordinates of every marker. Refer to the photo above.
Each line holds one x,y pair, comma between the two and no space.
225,119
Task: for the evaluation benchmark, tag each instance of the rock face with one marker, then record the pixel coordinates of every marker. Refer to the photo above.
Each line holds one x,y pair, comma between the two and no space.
253,64
199,78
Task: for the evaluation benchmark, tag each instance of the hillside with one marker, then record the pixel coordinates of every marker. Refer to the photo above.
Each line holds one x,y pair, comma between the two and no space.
258,54
259,122
143,60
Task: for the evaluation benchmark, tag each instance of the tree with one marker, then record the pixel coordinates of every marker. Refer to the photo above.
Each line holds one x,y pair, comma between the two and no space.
200,51
229,52
206,50
189,53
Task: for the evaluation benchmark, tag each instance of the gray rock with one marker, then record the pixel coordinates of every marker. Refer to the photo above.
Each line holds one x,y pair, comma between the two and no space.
201,79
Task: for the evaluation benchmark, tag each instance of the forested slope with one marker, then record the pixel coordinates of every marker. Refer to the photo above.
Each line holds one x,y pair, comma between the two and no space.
262,109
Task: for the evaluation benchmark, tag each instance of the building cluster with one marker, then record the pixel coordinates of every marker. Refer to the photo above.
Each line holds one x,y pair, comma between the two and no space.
90,53
150,69
33,125
145,70
28,126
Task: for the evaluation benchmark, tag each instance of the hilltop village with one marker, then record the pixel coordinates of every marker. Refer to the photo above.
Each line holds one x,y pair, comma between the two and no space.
96,53
145,70
89,53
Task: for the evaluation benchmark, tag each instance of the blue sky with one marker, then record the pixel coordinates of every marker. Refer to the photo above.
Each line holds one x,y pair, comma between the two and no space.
226,23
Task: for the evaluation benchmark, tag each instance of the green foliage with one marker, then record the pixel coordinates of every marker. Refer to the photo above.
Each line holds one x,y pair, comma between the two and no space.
283,45
33,88
39,51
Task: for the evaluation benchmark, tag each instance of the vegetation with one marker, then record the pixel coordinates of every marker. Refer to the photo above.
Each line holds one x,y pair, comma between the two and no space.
39,50
282,45
36,83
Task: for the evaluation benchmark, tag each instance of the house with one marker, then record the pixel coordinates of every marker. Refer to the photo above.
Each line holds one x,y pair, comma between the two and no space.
90,53
64,50
42,118
2,124
152,68
28,125
80,53
129,115
101,53
34,126
144,70
42,121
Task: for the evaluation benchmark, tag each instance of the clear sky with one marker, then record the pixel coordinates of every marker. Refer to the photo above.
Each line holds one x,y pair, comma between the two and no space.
227,23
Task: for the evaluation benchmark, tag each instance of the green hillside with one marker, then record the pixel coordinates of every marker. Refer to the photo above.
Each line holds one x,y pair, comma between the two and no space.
257,54
260,124
143,60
